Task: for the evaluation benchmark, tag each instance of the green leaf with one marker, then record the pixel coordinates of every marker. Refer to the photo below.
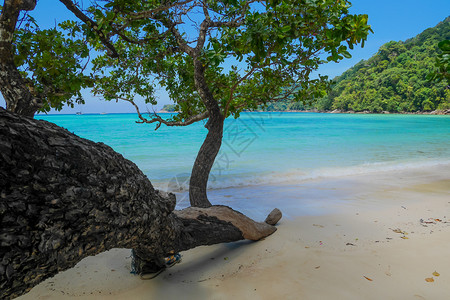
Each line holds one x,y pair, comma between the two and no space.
346,54
286,28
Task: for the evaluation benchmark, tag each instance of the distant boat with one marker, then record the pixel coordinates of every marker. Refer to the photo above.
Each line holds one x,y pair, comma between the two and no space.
103,113
78,113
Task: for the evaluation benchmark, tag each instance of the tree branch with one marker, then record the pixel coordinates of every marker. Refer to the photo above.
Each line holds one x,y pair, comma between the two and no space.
142,41
93,25
204,26
180,40
249,229
149,13
202,116
159,120
234,87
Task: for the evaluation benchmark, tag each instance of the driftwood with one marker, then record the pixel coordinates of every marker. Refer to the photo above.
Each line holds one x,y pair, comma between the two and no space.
63,198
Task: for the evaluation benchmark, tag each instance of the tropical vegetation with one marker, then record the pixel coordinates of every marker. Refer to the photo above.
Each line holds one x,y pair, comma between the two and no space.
400,77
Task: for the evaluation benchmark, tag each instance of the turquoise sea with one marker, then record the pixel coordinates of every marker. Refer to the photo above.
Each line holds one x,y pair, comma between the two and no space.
272,148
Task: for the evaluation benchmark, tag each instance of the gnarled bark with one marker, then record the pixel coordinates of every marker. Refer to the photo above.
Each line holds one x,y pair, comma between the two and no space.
63,198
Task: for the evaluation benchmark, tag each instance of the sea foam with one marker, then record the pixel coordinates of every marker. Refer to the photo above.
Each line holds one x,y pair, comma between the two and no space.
180,183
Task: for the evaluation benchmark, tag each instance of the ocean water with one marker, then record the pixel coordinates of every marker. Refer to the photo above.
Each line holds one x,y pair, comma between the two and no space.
272,148
261,148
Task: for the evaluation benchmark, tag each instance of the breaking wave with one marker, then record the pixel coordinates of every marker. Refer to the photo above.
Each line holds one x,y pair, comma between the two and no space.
180,182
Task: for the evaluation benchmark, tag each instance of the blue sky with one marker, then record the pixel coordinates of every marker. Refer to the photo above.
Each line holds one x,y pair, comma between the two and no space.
391,20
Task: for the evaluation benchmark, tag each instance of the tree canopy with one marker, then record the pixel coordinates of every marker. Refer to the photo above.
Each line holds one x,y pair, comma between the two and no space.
442,64
253,51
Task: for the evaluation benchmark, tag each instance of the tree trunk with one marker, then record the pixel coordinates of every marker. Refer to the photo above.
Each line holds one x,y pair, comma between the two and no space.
204,162
63,198
211,145
13,87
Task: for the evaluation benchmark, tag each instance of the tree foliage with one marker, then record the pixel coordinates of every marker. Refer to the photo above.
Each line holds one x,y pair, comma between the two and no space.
253,52
53,64
442,64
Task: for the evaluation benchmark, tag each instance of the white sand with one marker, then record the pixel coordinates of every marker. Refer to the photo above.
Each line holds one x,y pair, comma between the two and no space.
324,256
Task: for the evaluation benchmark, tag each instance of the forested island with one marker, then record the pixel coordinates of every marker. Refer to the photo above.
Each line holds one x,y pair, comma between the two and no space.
393,80
169,108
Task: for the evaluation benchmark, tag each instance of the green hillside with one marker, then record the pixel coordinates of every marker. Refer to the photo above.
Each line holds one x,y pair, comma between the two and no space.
394,79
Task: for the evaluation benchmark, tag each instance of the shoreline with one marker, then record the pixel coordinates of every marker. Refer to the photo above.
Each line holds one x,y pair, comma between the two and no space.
322,185
432,113
366,241
437,112
338,111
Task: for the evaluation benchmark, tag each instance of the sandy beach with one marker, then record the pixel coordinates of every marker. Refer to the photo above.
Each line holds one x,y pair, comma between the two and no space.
383,235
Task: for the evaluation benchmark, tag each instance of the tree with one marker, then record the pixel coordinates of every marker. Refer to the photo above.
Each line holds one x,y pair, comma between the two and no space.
442,63
64,198
215,58
12,84
49,178
39,69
